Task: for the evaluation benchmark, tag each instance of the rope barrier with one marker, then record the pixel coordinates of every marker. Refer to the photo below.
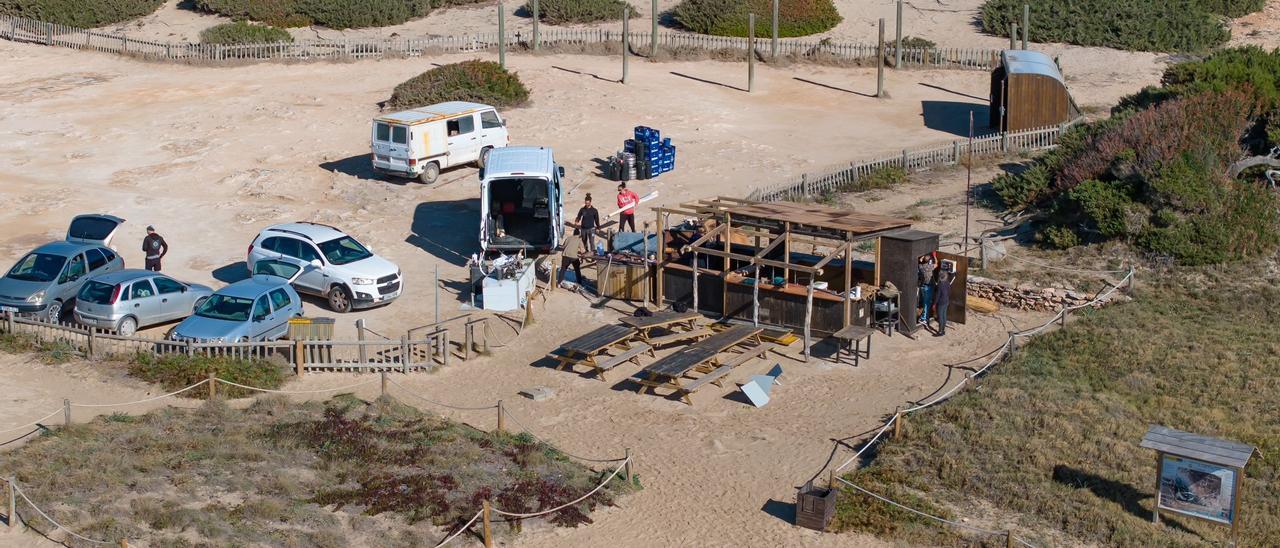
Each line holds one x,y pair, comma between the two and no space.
51,520
321,391
169,395
2,444
433,402
927,515
568,504
460,530
868,445
33,423
535,436
1061,268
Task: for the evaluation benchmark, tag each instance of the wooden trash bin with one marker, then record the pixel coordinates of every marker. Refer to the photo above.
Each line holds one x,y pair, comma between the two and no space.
815,507
622,281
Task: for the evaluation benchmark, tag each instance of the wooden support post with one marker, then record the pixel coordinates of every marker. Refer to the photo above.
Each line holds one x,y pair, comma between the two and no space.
406,354
808,318
66,412
1155,505
751,51
831,479
626,468
695,281
444,348
124,543
897,424
1008,539
213,386
880,62
653,29
626,45
537,35
384,382
485,347
848,281
786,253
897,43
1026,23
502,421
11,483
361,350
773,50
1013,36
488,532
299,361
502,35
469,340
90,343
755,298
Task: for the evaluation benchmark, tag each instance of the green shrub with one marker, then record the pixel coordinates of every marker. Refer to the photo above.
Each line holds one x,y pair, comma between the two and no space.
242,32
277,13
175,371
479,81
1143,25
571,12
730,17
336,14
80,13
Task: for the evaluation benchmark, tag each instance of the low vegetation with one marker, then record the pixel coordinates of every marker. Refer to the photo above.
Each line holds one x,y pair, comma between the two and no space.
243,32
177,371
1142,25
572,12
730,17
80,13
50,352
885,177
336,14
1157,175
1052,436
479,81
339,473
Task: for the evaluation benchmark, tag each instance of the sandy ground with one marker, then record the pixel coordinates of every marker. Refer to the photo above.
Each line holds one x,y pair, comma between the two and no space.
211,155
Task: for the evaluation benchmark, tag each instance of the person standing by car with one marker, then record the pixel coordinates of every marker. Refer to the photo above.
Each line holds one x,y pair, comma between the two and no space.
627,201
155,249
588,220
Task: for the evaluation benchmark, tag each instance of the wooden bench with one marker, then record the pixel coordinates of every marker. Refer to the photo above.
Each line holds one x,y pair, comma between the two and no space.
715,377
682,336
751,353
632,354
850,339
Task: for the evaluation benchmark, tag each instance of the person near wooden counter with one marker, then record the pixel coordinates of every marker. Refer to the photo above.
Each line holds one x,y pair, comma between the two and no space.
926,279
943,299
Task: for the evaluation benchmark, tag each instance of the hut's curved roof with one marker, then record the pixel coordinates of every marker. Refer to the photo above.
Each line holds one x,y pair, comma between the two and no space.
1021,61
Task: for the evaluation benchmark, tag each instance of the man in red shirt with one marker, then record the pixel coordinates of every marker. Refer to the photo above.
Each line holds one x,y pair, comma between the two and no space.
627,201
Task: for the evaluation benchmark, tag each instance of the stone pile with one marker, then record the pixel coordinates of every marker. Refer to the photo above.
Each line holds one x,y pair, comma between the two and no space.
1028,297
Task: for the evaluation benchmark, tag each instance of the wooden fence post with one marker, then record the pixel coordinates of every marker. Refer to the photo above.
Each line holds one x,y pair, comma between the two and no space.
406,354
299,360
469,339
501,420
751,51
488,533
361,349
384,382
537,34
773,49
897,44
66,412
13,502
897,424
626,468
92,339
880,62
213,386
626,45
48,36
653,30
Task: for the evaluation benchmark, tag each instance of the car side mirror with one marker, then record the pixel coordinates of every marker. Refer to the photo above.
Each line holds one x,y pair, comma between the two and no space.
184,289
315,263
481,174
561,168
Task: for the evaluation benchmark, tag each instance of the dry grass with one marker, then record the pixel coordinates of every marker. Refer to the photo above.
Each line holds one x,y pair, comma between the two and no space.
1052,435
338,473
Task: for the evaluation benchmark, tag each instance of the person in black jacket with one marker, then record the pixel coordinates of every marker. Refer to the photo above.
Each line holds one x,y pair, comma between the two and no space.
942,298
588,220
155,248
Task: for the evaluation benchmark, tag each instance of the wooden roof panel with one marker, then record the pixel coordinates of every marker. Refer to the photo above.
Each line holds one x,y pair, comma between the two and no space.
1196,446
811,215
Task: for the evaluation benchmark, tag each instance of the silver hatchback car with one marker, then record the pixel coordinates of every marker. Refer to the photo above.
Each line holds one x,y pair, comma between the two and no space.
126,300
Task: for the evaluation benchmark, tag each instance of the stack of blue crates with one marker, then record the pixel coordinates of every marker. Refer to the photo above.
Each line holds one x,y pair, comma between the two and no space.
654,154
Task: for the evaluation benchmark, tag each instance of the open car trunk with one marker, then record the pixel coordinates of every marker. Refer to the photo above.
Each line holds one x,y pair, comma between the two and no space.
518,215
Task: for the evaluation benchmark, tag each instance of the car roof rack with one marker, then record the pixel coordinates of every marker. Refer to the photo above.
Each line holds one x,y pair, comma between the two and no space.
291,233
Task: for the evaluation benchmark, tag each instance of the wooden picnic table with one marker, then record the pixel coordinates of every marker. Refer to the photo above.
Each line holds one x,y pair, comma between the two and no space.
661,319
586,349
702,356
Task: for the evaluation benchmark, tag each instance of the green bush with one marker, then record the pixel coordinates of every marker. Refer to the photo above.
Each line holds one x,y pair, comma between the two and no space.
478,81
571,12
80,13
242,32
336,14
729,17
1142,25
175,371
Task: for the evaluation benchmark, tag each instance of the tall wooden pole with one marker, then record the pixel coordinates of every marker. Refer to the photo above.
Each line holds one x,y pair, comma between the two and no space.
968,187
653,31
502,35
897,43
1026,23
1013,36
626,47
880,62
755,299
773,51
751,51
537,35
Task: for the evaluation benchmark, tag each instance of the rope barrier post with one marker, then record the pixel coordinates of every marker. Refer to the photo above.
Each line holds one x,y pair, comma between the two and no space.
213,386
384,383
13,502
66,412
485,346
897,424
831,479
1008,539
627,468
501,423
361,349
406,354
488,534
299,361
124,543
1013,342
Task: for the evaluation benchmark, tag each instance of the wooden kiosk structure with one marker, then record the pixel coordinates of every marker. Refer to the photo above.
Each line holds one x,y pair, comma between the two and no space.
719,263
1028,91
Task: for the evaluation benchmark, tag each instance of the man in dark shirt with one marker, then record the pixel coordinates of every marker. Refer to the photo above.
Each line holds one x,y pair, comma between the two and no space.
155,248
943,298
588,220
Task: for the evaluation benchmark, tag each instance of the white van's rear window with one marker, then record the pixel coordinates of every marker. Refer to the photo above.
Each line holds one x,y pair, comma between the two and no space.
384,132
399,135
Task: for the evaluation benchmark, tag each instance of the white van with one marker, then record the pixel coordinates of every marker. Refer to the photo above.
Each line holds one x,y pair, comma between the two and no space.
422,141
521,201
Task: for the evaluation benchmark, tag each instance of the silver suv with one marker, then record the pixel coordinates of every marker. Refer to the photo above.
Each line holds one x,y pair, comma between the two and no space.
45,282
334,265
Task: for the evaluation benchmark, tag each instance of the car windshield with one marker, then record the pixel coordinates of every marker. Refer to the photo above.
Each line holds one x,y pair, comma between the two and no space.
344,250
222,307
97,293
38,267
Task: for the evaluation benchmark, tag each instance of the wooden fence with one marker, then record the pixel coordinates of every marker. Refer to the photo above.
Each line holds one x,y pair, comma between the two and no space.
426,351
834,179
20,29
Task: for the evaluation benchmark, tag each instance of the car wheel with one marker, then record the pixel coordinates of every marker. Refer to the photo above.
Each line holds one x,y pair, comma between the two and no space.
339,299
430,173
53,314
484,157
127,327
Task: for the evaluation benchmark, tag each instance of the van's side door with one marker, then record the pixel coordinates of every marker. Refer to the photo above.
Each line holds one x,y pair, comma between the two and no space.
464,140
493,131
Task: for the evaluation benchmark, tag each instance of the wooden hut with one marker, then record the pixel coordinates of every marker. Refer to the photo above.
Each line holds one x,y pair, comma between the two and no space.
1028,91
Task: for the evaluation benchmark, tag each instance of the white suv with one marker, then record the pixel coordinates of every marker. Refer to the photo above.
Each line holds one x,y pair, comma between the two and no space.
336,266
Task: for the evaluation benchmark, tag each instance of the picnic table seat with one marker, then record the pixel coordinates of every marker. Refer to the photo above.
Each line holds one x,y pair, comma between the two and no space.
715,377
751,353
681,336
